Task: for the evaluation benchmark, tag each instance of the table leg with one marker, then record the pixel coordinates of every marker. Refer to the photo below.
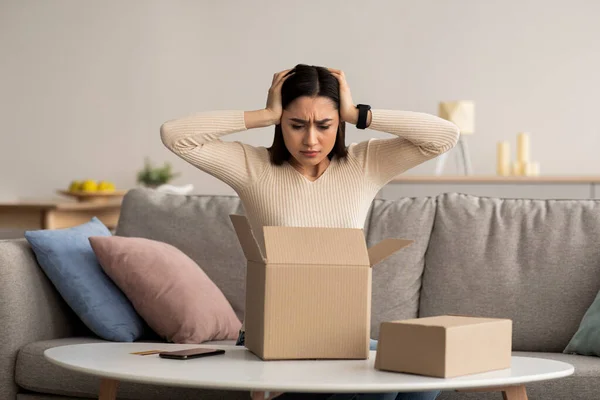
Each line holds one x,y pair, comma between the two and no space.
508,392
108,389
264,395
515,393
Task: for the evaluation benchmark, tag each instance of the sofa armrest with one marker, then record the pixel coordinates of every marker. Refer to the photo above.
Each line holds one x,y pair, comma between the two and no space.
30,309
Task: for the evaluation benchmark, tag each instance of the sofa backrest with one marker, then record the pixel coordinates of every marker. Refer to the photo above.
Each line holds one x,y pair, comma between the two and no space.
536,262
199,226
533,261
397,279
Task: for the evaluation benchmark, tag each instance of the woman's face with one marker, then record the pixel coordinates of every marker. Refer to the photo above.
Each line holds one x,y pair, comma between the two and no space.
309,126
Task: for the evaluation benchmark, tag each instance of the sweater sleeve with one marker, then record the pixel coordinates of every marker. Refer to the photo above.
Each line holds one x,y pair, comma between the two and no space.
197,140
419,137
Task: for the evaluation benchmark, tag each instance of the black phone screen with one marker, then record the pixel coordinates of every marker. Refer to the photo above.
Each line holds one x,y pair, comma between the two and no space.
190,353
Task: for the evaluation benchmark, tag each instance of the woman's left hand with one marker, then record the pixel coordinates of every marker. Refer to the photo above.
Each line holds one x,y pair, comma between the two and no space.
348,111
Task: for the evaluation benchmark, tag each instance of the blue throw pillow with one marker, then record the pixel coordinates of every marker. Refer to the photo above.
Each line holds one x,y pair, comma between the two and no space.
70,263
586,340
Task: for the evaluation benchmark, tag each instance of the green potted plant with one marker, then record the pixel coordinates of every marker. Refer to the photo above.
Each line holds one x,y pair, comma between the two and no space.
153,177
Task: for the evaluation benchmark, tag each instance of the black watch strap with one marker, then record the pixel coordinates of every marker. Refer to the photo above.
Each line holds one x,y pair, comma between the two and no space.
363,112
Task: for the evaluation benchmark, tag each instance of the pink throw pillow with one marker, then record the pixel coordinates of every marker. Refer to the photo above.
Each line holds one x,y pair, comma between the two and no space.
167,288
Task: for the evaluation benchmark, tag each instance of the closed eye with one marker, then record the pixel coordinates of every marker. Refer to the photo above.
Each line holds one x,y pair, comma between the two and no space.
300,126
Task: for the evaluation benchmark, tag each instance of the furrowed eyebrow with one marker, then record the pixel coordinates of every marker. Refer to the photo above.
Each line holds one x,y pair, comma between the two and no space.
304,121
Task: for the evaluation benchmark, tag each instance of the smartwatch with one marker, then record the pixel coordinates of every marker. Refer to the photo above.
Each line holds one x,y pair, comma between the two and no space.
363,112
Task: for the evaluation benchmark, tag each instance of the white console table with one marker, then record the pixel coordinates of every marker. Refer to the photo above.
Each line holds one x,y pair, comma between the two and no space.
539,187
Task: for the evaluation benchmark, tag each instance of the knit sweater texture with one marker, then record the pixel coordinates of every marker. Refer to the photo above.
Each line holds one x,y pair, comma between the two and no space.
280,195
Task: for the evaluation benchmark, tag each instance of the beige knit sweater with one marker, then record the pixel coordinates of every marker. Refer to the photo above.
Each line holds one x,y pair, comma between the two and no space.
282,196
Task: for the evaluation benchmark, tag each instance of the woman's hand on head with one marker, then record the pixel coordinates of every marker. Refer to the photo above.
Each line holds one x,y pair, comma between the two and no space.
348,111
274,99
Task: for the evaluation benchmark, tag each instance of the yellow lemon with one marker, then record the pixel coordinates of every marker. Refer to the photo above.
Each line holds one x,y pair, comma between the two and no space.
106,186
75,186
89,186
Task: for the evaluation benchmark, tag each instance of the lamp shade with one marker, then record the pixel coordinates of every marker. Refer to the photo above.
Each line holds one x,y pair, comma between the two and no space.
461,113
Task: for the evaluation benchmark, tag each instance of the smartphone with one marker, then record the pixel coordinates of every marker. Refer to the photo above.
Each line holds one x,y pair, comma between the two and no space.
190,353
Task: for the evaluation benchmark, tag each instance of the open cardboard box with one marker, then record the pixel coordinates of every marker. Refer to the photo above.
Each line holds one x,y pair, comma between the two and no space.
309,295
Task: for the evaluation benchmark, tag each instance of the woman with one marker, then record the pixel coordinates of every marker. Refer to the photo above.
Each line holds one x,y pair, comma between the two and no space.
309,177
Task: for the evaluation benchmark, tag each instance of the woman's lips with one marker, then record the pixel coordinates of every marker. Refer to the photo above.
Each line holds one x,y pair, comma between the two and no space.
310,153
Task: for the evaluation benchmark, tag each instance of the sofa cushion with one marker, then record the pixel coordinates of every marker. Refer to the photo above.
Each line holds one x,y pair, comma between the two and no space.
536,262
168,289
586,341
35,373
66,257
199,226
397,279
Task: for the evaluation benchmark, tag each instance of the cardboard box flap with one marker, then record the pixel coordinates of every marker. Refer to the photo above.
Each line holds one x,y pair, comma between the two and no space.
303,245
386,248
246,237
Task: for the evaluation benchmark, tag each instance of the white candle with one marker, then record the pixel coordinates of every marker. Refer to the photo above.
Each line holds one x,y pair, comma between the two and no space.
532,169
503,159
517,168
523,147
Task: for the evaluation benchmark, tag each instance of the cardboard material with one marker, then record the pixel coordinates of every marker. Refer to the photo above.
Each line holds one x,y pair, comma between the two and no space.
309,295
445,346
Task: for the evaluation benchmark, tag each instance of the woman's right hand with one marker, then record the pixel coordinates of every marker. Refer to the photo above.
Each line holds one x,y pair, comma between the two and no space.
274,99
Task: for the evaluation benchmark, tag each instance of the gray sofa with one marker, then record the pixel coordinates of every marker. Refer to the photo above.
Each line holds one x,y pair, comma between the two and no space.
534,261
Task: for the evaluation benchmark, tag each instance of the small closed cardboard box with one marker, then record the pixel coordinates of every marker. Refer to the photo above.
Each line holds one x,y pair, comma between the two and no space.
309,295
445,346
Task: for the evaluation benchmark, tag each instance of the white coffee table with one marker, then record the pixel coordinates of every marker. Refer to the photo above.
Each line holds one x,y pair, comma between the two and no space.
238,369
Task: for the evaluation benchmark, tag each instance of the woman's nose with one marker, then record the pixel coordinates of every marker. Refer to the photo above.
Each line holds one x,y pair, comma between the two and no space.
310,139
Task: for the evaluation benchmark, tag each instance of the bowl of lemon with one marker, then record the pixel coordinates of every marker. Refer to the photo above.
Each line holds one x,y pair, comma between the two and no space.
91,190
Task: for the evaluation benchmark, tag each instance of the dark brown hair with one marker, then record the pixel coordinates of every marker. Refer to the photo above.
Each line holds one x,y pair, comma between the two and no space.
311,81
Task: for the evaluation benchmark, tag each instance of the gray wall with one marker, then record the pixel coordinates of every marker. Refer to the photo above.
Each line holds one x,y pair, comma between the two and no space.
85,85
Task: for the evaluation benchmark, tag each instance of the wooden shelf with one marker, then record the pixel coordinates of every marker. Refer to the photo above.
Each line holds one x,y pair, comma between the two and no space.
56,214
493,179
60,204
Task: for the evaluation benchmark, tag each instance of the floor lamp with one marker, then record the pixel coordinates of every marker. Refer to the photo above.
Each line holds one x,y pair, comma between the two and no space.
462,114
